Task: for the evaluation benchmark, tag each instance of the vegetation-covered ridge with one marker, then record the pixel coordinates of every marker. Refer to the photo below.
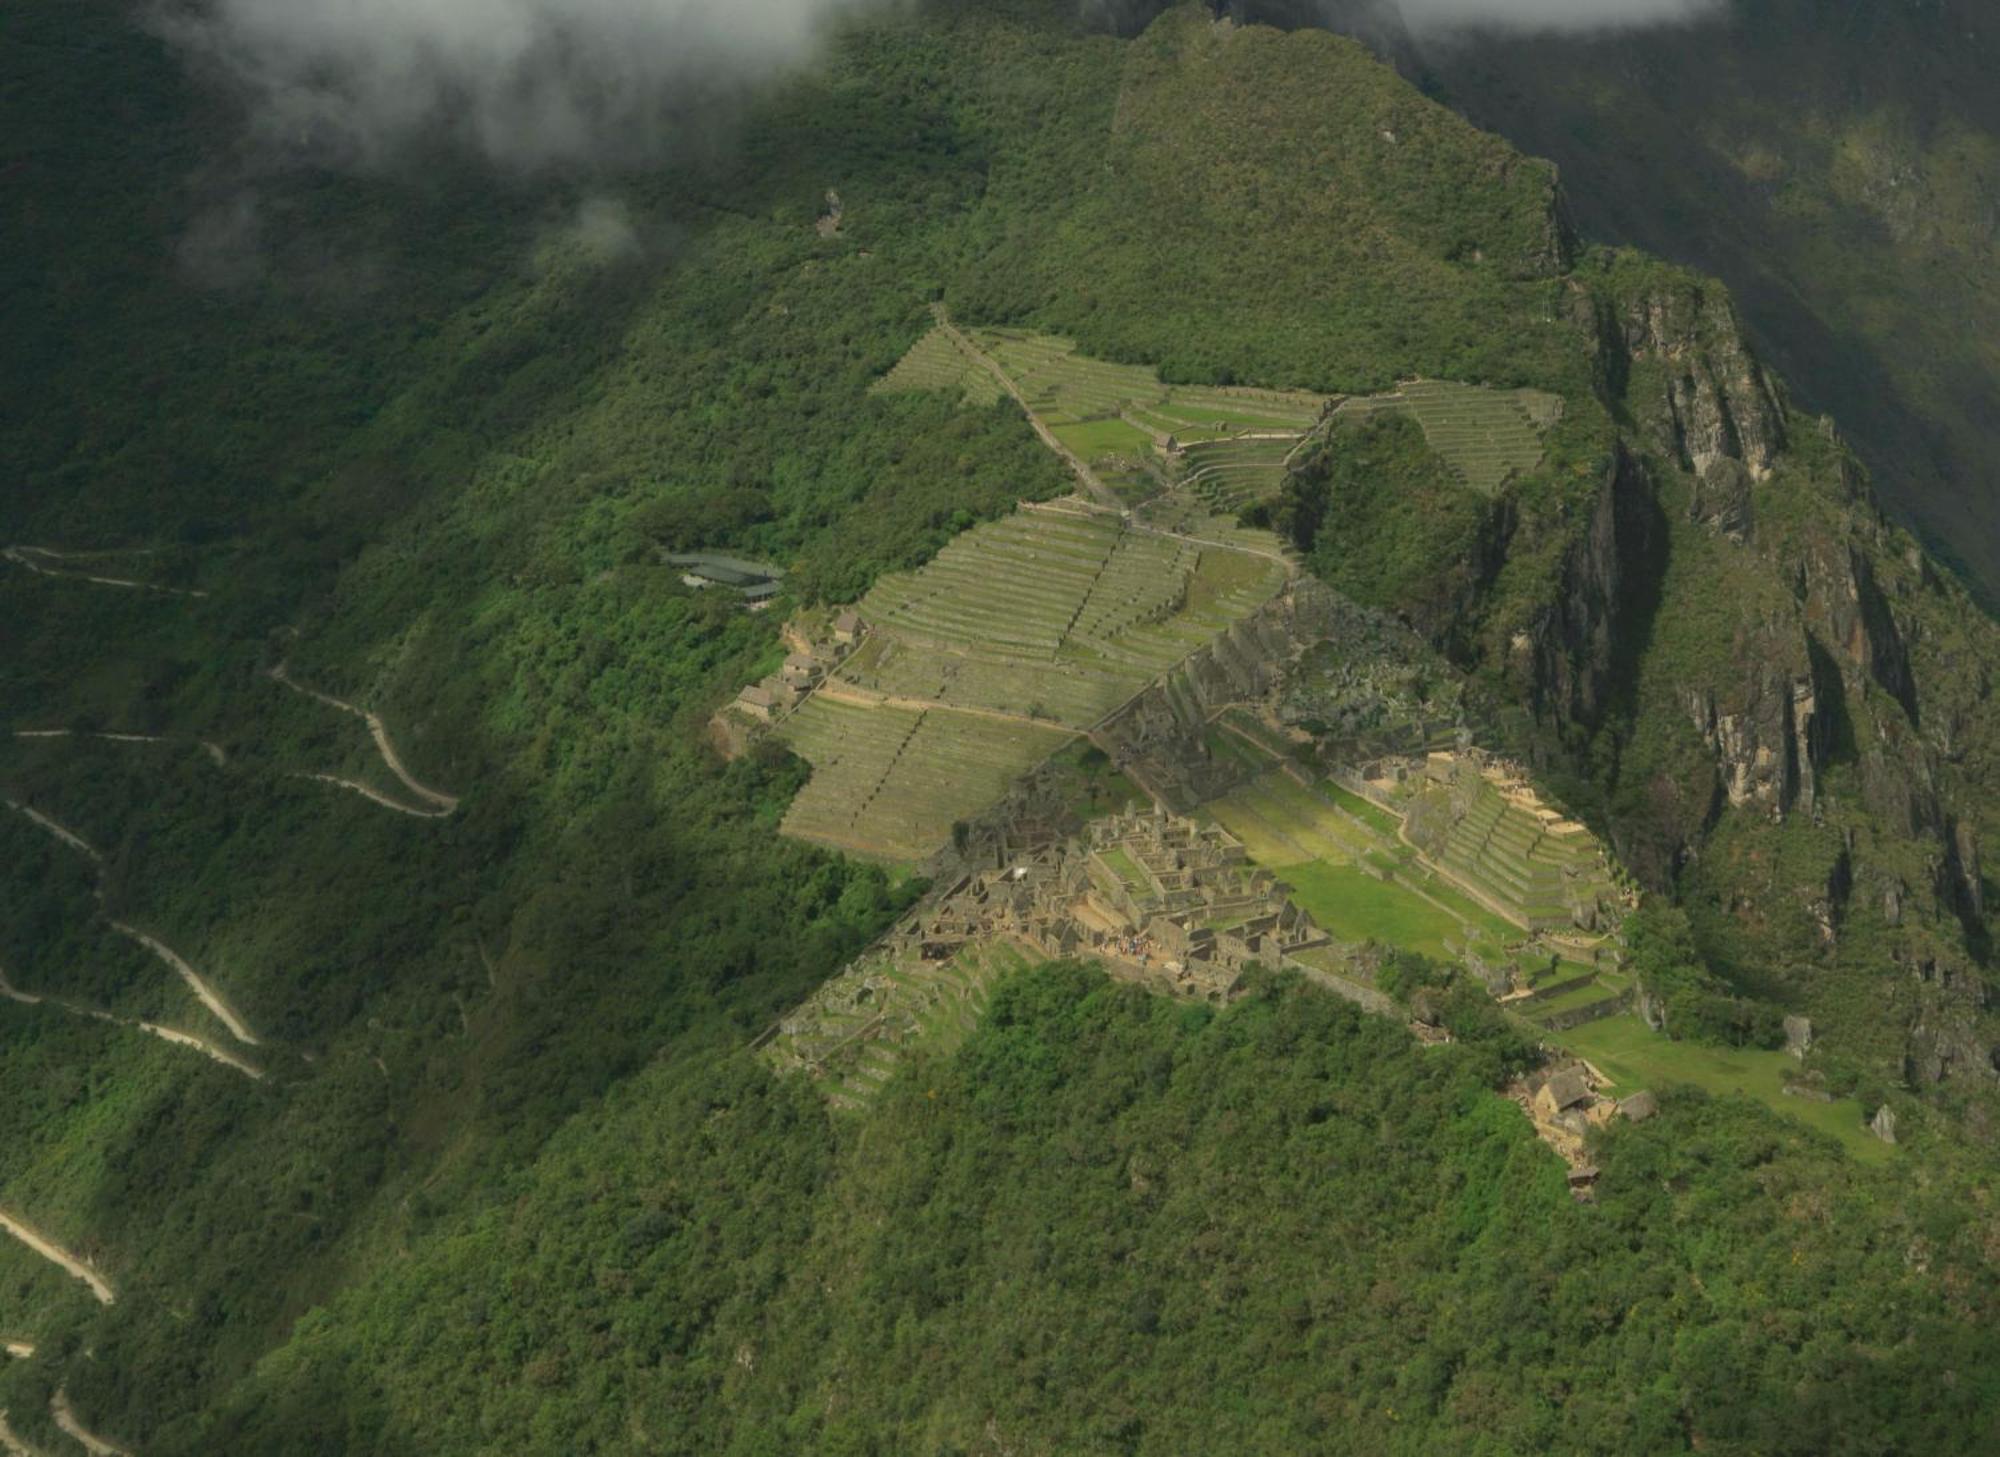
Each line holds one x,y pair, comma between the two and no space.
513,1183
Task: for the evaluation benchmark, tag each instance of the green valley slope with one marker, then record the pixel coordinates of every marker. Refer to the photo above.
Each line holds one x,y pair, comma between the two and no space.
513,1181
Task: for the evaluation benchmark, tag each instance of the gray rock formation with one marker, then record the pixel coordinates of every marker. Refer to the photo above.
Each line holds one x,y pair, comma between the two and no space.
1883,1124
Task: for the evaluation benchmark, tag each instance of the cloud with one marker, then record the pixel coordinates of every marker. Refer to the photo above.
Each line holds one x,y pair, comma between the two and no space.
603,231
1430,16
526,83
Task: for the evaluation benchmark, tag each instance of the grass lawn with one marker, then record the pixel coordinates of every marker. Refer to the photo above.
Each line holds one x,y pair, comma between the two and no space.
1570,1000
1125,868
1633,1056
1500,930
1354,906
1091,785
1372,815
1095,438
1225,745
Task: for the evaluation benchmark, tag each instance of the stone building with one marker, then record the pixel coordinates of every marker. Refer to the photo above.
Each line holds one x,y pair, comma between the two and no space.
1153,895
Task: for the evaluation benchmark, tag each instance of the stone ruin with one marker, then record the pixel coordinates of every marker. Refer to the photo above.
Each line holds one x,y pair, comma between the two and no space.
1159,739
1154,896
814,650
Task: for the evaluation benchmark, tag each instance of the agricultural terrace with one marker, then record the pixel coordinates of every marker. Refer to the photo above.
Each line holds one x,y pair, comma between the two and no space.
1509,850
1231,474
889,782
1485,436
980,665
1356,882
1121,420
857,1028
938,362
1227,445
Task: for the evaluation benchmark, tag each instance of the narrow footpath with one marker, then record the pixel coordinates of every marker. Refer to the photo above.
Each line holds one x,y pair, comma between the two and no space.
444,803
73,1265
65,1417
172,1035
1089,479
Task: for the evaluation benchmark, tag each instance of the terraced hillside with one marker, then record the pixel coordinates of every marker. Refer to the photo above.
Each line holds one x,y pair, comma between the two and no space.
857,1029
1231,474
937,362
890,782
980,665
1515,854
1122,421
1228,445
1484,435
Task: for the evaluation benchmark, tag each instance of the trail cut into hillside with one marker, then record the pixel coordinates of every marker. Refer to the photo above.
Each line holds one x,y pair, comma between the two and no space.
32,558
370,792
62,832
73,1265
442,803
198,984
11,1443
202,988
91,1442
173,1035
208,746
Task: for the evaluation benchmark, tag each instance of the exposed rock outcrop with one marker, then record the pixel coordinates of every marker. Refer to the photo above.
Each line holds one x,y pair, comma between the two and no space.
1722,418
1608,578
1768,736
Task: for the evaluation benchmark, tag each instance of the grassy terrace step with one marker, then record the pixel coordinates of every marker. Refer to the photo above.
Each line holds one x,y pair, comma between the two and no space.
1485,435
921,1006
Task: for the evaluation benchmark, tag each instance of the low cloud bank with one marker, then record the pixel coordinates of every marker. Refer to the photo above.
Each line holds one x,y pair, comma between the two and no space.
1424,16
530,84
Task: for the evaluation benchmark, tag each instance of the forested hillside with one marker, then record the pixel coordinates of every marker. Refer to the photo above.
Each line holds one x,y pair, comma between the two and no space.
338,658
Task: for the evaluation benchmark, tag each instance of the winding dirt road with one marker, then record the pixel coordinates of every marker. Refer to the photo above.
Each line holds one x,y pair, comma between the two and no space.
24,556
442,802
210,997
212,749
73,1265
369,791
11,1443
62,832
197,983
173,1035
65,1417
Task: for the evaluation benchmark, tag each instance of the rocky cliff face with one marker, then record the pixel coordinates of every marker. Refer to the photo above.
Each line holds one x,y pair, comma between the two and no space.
1741,639
1606,584
1722,418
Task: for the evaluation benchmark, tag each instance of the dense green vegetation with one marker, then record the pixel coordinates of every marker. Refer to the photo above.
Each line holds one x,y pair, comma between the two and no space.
1383,519
1115,1224
513,1184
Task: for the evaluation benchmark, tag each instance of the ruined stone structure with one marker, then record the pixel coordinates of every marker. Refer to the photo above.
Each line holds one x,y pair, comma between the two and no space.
1160,737
1156,896
814,654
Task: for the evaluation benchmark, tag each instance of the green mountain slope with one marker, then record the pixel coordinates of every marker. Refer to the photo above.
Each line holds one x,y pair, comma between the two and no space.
511,1181
1836,165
